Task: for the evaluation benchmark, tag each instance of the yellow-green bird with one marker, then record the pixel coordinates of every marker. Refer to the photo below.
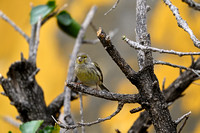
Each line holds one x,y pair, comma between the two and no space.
88,72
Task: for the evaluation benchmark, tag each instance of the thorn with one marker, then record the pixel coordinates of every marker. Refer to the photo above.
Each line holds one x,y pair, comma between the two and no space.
117,131
22,57
180,71
192,59
163,84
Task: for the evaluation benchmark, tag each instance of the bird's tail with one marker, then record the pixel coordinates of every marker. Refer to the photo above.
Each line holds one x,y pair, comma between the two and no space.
103,87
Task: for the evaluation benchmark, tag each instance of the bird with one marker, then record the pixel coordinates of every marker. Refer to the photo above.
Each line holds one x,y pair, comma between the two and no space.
88,72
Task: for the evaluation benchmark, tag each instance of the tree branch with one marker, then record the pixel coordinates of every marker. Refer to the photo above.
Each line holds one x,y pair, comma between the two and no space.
115,55
182,23
4,17
70,76
173,92
34,41
81,111
192,4
185,116
67,127
125,98
113,7
177,66
182,117
142,47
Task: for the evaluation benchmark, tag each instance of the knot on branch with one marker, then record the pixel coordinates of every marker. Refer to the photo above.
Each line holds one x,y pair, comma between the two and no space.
21,70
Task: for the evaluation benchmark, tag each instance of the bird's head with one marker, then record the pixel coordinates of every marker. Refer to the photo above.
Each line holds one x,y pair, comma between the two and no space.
82,58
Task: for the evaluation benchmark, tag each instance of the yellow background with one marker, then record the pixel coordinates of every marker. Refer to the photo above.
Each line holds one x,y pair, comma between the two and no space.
52,59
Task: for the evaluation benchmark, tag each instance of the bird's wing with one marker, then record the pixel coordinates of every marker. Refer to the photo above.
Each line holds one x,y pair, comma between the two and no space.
99,70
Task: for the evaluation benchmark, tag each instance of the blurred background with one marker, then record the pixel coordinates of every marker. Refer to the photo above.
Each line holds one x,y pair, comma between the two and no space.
55,48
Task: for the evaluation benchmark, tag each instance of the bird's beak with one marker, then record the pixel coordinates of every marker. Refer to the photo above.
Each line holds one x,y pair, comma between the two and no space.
79,59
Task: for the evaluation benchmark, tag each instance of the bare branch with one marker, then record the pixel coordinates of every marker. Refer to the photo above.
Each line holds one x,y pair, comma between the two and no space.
111,34
70,76
186,118
113,7
163,84
192,4
81,112
115,55
99,120
142,47
34,41
125,98
135,110
53,14
182,23
182,117
4,17
173,92
95,41
12,121
177,66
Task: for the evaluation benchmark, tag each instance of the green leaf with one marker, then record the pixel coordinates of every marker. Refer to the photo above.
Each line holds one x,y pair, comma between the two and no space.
42,10
64,18
67,24
47,129
51,129
30,127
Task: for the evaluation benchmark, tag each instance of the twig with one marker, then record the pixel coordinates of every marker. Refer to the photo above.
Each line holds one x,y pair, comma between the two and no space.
163,84
12,121
34,41
70,76
4,17
185,116
181,128
115,55
141,47
135,110
81,111
31,77
182,23
113,7
95,41
125,98
182,117
120,106
59,123
111,34
117,131
192,4
99,120
177,66
53,14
